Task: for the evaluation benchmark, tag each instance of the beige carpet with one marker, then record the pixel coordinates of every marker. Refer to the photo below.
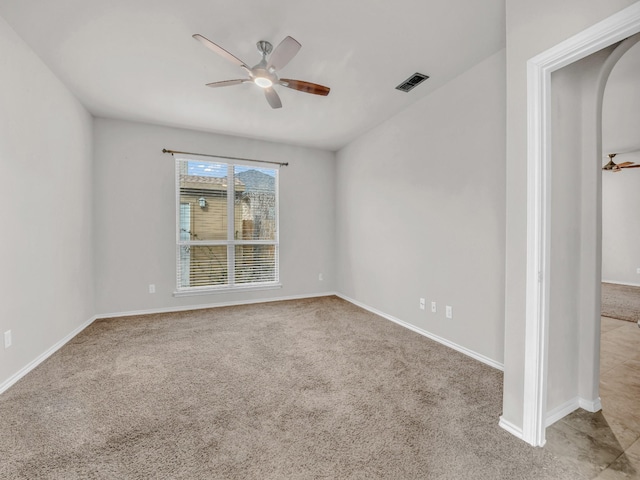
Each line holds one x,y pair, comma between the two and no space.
308,389
621,301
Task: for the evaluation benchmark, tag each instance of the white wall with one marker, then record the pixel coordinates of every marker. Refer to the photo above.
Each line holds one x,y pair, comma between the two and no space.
421,212
135,215
532,28
45,207
621,191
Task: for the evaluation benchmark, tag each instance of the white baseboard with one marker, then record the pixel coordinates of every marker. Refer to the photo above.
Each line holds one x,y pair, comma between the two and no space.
42,357
210,305
556,414
562,411
443,341
627,284
570,406
511,428
590,405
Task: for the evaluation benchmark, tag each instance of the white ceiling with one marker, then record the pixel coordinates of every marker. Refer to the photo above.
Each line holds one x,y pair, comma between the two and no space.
136,60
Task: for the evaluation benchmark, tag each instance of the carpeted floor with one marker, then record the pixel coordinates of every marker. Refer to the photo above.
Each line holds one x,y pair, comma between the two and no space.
305,389
621,301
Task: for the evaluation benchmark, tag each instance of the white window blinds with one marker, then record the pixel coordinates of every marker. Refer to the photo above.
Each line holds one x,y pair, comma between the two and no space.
227,225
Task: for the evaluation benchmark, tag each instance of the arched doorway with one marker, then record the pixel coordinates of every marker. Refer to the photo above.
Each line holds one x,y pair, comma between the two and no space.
539,225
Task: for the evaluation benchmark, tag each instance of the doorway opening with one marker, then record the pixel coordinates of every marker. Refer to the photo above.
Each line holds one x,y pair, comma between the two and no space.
538,360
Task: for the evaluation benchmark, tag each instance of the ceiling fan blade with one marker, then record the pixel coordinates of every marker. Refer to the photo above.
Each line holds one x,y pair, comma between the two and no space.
226,83
306,87
624,164
283,53
632,166
272,97
220,51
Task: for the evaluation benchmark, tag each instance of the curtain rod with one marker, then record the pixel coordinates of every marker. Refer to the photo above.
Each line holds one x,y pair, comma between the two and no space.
164,150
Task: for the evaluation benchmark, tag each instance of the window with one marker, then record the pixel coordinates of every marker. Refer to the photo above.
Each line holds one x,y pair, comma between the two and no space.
227,226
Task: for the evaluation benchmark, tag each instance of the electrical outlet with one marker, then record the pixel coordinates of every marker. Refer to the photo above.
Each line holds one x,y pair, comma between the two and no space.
449,311
638,270
7,339
422,303
320,277
152,288
433,307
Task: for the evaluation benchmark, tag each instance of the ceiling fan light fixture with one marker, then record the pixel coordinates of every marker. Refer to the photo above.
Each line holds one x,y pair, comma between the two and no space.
262,82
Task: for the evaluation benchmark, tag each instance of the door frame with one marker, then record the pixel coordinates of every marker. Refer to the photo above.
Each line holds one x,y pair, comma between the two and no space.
539,68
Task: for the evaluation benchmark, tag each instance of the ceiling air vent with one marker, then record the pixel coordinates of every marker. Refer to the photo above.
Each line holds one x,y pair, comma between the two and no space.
412,82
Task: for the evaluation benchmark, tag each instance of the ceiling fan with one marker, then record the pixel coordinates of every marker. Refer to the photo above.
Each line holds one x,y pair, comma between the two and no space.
617,167
264,74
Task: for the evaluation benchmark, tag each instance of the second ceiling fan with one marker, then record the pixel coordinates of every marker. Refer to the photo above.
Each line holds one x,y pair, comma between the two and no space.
617,167
264,74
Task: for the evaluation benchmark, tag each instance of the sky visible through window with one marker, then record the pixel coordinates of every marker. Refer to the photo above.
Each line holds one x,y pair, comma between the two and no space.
212,169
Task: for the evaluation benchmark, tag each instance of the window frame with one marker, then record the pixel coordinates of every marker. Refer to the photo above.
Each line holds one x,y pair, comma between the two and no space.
230,242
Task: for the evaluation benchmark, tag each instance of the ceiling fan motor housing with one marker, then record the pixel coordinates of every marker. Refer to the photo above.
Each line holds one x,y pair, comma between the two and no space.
264,47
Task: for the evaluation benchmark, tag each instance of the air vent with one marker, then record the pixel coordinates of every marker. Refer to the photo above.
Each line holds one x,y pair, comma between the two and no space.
412,82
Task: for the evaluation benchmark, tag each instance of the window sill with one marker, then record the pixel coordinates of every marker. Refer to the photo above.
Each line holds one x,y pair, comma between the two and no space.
219,290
